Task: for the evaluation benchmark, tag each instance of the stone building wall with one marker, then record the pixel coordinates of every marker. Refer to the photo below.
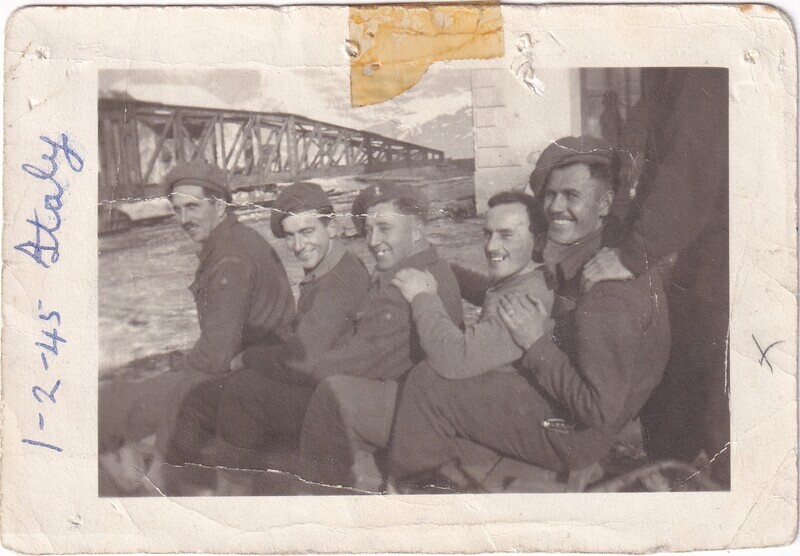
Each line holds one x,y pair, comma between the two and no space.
513,125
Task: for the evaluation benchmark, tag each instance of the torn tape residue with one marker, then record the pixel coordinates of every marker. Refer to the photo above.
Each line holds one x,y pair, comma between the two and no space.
391,47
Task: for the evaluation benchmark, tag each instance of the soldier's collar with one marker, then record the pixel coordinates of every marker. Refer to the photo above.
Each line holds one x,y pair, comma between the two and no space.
218,232
567,260
518,276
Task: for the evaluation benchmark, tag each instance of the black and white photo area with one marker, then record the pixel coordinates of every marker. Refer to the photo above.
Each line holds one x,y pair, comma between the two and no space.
257,250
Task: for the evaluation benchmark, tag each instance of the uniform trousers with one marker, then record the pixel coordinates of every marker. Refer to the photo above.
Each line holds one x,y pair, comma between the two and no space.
348,419
186,409
499,410
256,411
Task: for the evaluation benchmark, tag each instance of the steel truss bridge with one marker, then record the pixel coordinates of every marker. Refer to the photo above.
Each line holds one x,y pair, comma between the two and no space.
140,142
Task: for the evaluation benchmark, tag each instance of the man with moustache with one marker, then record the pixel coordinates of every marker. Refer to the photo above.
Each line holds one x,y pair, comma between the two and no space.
252,419
577,385
487,345
243,298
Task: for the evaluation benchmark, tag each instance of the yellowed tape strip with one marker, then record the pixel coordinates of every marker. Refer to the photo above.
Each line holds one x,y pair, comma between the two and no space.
393,46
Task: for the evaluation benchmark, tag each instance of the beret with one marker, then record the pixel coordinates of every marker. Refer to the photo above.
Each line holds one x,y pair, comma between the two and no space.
569,150
413,198
298,197
199,172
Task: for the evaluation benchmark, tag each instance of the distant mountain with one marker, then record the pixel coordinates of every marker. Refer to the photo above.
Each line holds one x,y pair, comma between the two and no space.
451,133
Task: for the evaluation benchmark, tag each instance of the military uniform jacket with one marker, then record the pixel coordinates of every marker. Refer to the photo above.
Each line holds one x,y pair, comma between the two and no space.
604,358
681,205
606,355
485,346
331,296
242,296
385,344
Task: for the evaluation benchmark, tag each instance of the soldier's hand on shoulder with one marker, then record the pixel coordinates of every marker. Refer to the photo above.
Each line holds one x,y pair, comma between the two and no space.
606,265
525,316
412,282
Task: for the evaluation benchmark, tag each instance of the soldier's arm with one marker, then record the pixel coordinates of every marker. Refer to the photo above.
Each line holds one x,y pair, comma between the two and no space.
223,318
594,384
485,346
454,353
473,285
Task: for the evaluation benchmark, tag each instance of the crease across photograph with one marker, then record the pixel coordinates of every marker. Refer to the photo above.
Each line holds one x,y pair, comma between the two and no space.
503,280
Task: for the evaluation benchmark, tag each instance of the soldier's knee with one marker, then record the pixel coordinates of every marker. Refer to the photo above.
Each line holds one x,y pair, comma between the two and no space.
323,415
334,387
332,400
235,422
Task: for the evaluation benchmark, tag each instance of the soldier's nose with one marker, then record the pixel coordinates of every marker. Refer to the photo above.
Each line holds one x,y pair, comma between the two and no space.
557,205
373,239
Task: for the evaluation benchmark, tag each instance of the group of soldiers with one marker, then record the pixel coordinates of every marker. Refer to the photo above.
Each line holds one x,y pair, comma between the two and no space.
372,383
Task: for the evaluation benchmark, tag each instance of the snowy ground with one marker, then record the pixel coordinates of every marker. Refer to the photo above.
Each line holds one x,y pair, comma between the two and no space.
146,309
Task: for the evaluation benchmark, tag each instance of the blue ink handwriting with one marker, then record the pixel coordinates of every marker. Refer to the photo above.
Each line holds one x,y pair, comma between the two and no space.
37,249
40,394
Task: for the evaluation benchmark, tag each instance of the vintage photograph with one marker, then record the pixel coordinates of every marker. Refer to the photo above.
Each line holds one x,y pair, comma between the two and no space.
497,282
436,278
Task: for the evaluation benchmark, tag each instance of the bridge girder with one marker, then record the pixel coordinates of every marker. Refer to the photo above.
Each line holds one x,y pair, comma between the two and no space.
139,141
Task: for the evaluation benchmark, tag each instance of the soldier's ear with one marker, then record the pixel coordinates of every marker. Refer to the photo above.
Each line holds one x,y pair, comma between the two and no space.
418,230
333,228
220,207
606,200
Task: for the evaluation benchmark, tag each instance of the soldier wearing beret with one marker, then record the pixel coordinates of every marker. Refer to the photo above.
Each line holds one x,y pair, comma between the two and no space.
243,298
264,404
351,412
574,388
241,289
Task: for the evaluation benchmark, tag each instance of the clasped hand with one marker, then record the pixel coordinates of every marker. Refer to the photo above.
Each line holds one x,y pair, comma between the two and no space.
606,265
525,316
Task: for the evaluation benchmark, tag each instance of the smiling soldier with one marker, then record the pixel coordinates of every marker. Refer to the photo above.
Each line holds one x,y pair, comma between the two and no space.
487,345
241,289
350,414
353,335
574,389
243,298
263,405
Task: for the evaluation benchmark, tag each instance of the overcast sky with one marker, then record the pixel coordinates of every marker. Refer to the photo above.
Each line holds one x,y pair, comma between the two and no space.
320,93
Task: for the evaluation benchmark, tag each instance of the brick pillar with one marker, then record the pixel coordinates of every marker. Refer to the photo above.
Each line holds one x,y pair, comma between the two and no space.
513,125
493,152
